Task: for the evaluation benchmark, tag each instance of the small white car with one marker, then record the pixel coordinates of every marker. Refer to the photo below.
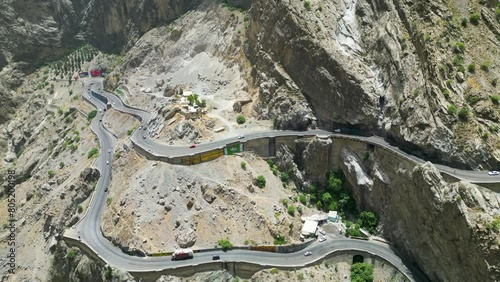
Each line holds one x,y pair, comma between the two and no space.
322,232
494,173
337,131
241,137
307,254
322,239
107,162
109,150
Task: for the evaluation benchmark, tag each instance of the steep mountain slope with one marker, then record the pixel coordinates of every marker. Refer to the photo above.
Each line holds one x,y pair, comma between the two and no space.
395,68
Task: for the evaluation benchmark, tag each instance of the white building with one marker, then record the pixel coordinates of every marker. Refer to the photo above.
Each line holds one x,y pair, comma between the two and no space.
333,216
309,228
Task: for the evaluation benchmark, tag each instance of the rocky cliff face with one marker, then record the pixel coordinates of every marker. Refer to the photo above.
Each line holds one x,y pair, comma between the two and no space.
375,66
446,229
33,32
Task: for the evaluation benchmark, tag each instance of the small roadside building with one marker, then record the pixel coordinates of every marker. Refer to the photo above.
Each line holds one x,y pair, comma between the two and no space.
309,228
333,216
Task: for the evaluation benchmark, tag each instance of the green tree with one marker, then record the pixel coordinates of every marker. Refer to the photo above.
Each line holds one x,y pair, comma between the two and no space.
91,115
463,114
225,244
51,173
326,198
368,220
362,272
93,153
334,184
244,165
291,210
474,19
260,181
61,164
240,119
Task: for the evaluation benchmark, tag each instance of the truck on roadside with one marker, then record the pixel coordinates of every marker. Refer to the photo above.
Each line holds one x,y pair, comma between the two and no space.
182,254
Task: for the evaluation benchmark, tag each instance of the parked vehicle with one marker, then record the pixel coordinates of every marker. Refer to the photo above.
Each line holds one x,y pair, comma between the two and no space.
192,146
322,239
307,254
494,173
215,257
241,137
182,254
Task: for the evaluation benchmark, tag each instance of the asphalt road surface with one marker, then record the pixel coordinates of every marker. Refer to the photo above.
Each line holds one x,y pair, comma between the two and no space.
88,228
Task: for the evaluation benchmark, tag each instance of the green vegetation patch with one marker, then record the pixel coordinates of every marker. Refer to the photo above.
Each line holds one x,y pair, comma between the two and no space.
362,272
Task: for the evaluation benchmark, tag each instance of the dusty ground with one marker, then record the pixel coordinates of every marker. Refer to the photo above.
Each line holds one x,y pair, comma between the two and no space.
46,204
212,66
158,207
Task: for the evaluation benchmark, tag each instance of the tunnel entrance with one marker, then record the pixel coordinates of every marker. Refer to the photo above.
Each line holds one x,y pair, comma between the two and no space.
358,259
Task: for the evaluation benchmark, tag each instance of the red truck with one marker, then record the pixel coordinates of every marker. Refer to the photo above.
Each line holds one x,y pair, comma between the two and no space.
95,73
182,254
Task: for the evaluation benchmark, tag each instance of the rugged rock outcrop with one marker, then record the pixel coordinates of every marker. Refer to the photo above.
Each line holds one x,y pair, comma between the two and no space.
447,229
373,67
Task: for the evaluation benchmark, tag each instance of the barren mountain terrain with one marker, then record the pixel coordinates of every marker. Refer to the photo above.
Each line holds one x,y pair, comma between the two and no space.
423,75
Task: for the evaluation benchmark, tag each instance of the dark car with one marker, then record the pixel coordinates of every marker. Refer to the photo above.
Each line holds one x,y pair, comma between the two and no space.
192,146
215,257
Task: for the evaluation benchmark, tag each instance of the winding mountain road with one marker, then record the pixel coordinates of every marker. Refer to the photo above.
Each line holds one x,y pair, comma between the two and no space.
88,231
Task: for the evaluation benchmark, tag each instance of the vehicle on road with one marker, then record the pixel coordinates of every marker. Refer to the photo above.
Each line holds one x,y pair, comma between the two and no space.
182,254
107,162
144,137
100,120
307,254
105,189
241,137
192,146
322,239
337,131
140,127
322,232
493,173
215,257
109,150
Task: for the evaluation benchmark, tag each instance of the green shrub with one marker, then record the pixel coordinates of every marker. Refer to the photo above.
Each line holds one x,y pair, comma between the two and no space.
284,202
307,5
108,200
463,22
260,181
458,60
461,68
446,93
474,19
471,68
485,66
284,177
303,199
94,152
493,128
91,115
326,198
494,82
129,132
362,272
472,99
61,164
299,210
319,205
459,47
80,209
280,240
291,210
108,272
495,99
463,114
240,119
300,276
244,165
274,271
225,244
51,173
452,110
71,254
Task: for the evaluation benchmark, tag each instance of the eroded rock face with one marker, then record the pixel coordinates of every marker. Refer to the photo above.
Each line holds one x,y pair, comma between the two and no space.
373,68
437,224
